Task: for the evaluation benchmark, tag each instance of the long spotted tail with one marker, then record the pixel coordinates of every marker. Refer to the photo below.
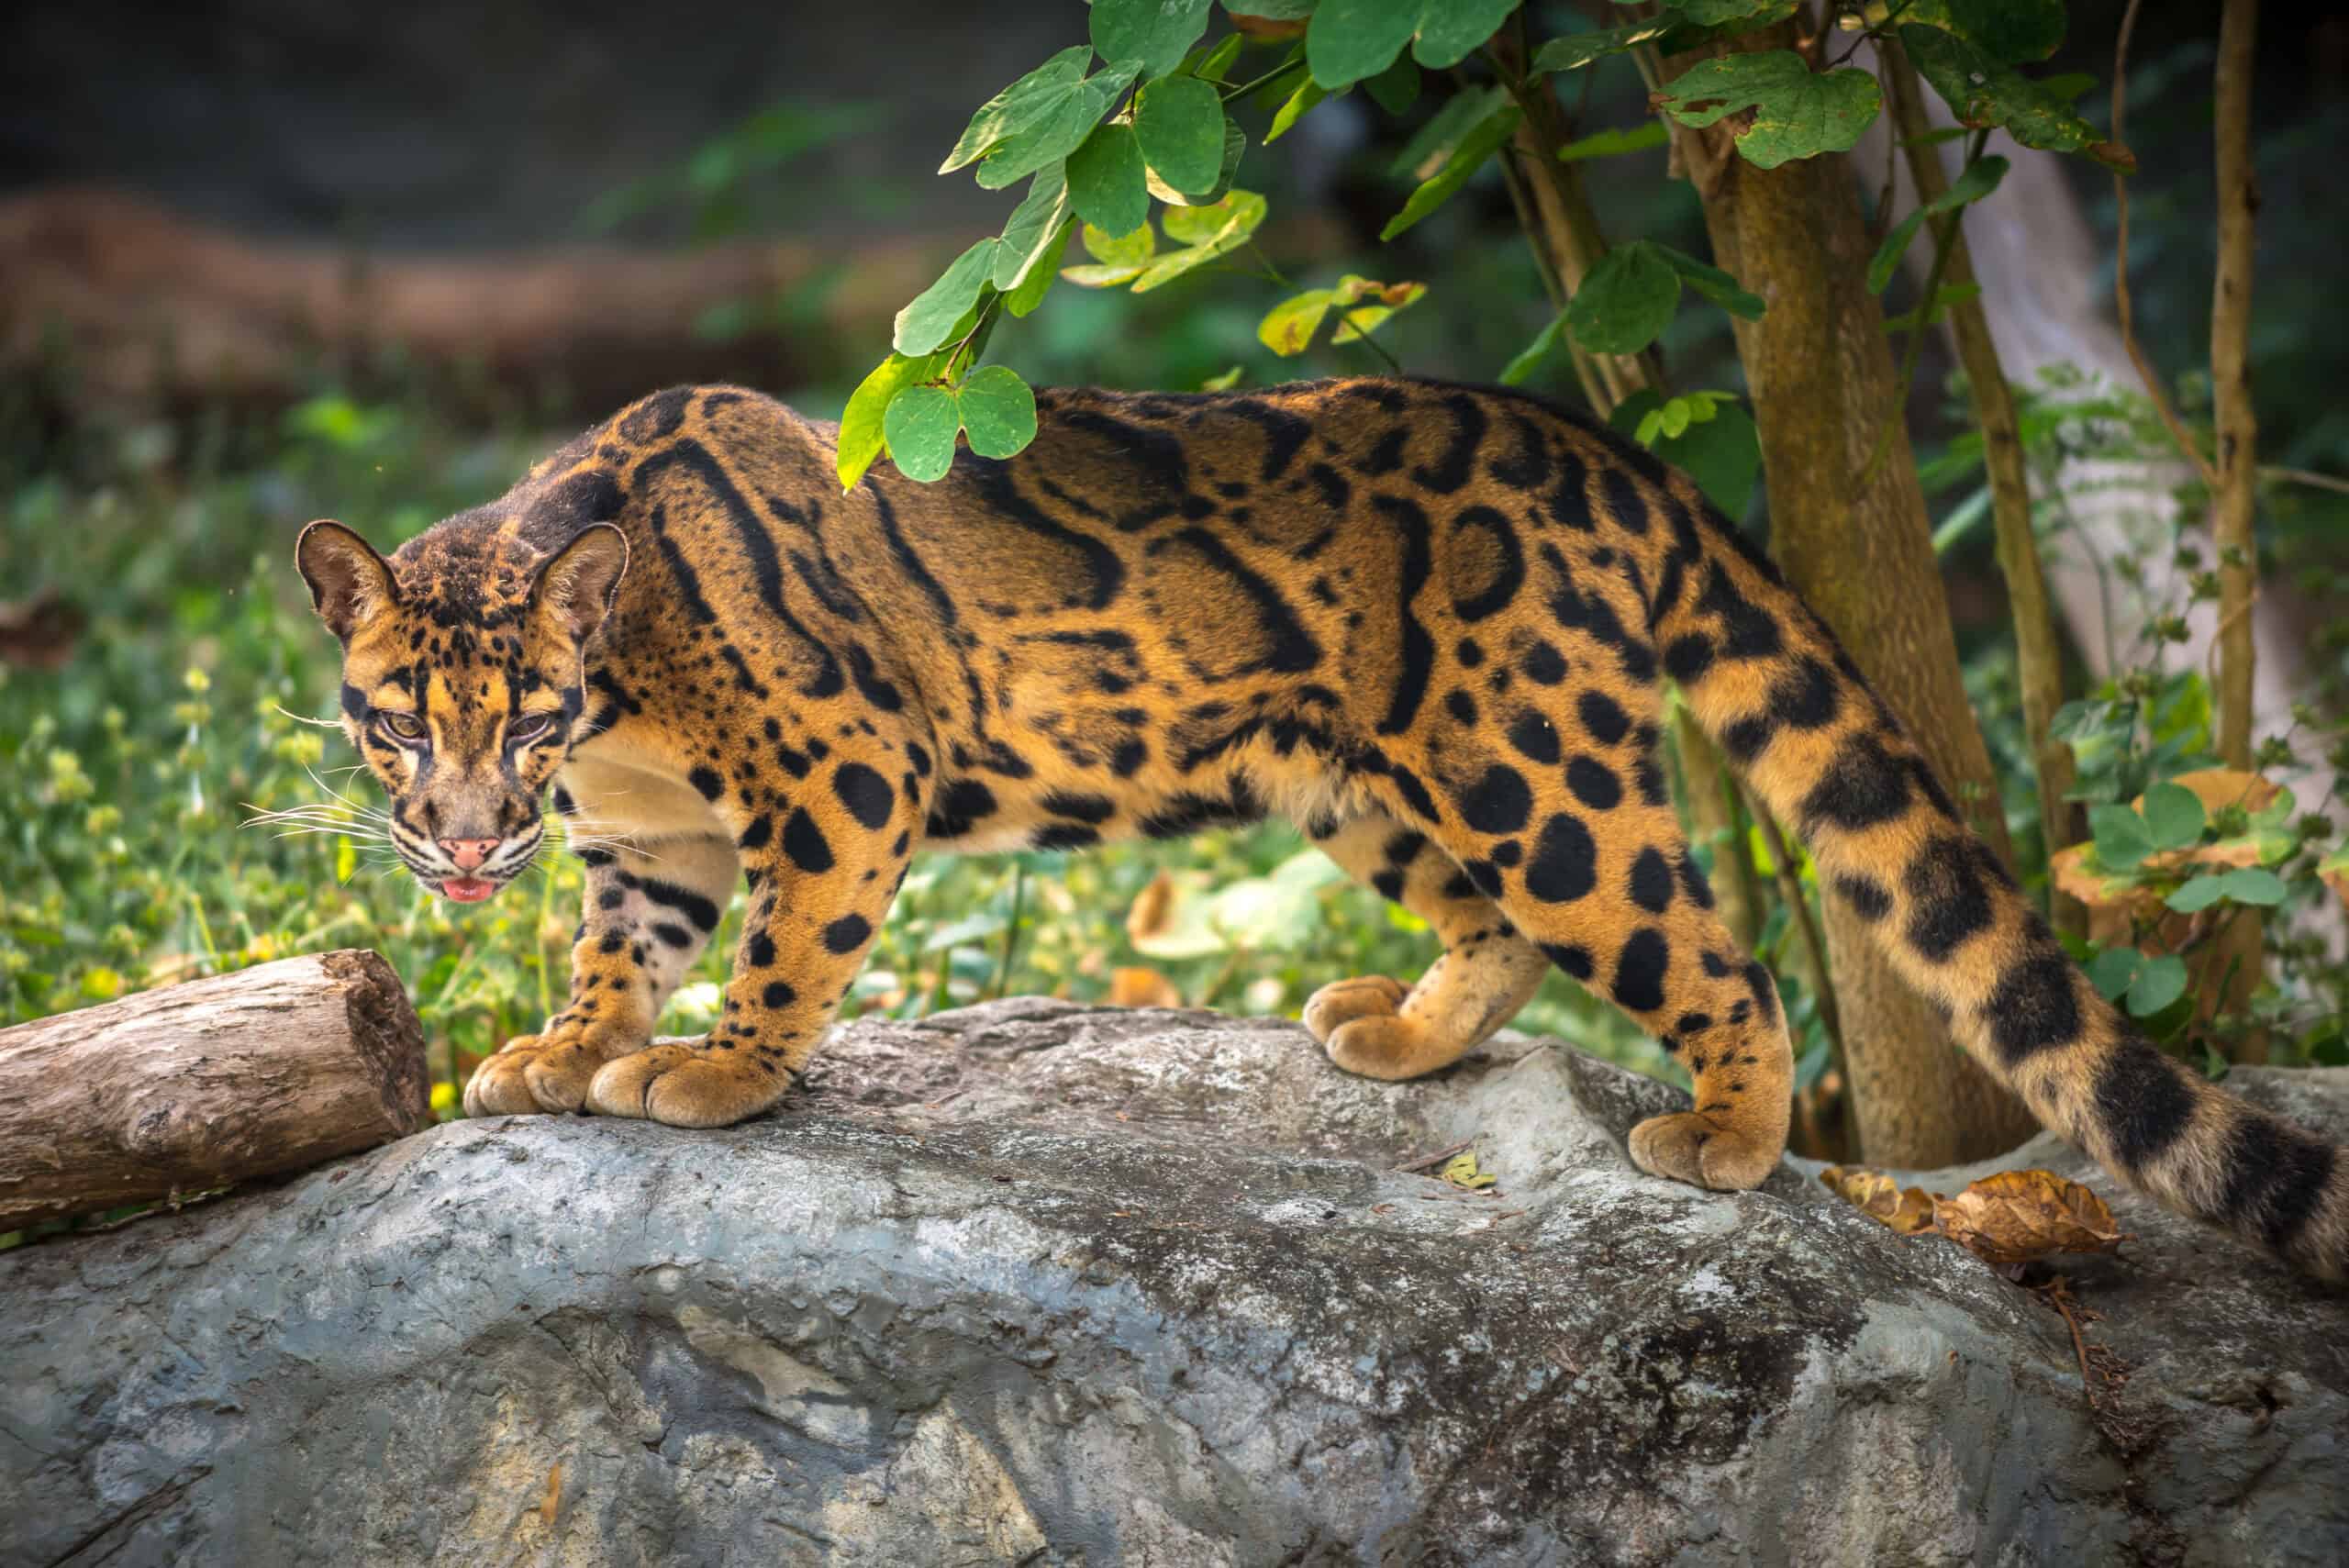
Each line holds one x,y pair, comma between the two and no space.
1767,680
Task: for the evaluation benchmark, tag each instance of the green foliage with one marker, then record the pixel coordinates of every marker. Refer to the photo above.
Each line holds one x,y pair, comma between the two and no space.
1630,297
1982,91
1151,35
1796,113
1974,181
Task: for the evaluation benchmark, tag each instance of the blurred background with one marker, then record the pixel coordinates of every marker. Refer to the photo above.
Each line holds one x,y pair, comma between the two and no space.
261,262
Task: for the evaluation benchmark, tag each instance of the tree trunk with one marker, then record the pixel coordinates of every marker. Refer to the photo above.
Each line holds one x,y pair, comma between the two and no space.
2242,943
206,1083
2038,657
1821,376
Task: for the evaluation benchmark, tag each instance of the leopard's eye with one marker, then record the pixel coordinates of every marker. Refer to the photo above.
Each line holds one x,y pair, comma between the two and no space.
529,727
406,725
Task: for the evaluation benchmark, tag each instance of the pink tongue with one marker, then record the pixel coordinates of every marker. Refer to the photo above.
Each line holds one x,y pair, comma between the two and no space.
468,889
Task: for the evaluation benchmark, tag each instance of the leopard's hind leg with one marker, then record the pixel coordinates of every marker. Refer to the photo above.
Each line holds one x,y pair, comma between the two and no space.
1382,1029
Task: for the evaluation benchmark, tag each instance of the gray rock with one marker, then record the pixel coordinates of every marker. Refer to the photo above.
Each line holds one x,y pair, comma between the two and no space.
1031,1283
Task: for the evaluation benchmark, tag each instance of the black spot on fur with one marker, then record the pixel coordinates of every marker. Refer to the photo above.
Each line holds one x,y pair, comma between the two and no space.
1948,901
847,934
1565,866
1862,785
1650,881
1639,970
1572,958
1870,898
1498,802
1543,665
707,781
804,842
2275,1178
1534,737
760,951
1594,783
865,793
2143,1101
756,835
1603,717
2034,1007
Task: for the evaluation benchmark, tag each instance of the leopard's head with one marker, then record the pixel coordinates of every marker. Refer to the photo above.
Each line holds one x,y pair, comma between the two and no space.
462,683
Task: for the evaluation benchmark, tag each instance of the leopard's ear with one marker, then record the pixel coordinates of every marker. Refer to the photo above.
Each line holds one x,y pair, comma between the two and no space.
575,586
350,584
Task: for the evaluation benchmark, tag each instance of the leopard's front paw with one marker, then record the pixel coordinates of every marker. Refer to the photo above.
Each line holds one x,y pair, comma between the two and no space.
1341,1002
550,1072
1703,1150
689,1085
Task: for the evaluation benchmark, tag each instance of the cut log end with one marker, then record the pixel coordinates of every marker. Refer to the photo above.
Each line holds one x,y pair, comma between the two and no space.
386,1034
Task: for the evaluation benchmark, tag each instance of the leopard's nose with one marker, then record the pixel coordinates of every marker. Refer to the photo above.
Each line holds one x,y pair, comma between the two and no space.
467,852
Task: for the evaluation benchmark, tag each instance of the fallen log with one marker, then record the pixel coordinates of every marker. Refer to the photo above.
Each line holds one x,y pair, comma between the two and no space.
206,1083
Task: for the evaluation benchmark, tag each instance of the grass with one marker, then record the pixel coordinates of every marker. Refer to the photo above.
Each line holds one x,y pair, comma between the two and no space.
196,699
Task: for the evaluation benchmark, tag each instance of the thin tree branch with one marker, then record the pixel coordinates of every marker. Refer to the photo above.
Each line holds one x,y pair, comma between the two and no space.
2145,373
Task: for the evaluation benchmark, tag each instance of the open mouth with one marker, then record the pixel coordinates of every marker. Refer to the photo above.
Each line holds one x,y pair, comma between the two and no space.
468,889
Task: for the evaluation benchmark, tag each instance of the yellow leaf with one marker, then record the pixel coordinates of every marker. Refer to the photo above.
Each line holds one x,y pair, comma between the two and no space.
1461,1172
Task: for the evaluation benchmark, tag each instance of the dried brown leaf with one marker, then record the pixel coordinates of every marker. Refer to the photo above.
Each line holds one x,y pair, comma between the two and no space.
1908,1210
1153,909
1139,987
2017,1215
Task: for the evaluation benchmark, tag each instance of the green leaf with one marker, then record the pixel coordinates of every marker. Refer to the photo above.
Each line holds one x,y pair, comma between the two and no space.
1435,141
1235,146
2175,816
1626,301
1719,447
2122,839
861,439
1277,10
2199,895
1220,230
1529,359
998,410
1797,112
1017,105
1121,247
2112,972
1034,224
1723,455
1287,329
1300,103
1395,89
1612,143
1714,284
1575,50
2254,884
1060,130
2159,982
1223,383
1105,181
1153,35
1349,39
1179,122
930,319
1038,282
1452,30
1214,64
1974,181
1981,91
920,427
1927,315
2011,31
1466,159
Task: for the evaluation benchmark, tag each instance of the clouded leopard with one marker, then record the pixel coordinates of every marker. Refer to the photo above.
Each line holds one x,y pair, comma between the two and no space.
1426,622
